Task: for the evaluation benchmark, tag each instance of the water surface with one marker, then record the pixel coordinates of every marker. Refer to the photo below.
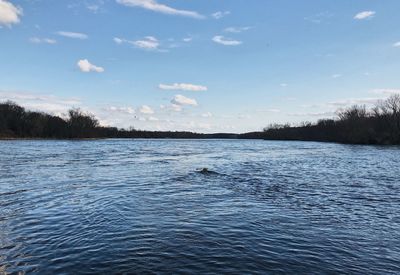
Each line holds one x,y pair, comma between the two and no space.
141,206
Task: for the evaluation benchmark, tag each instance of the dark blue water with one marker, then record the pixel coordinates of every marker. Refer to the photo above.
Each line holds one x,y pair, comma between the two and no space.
141,206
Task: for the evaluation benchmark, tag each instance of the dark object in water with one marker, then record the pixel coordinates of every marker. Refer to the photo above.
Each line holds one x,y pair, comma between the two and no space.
205,171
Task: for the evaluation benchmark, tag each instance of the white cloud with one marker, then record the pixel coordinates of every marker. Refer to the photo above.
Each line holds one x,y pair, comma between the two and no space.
37,40
153,5
121,110
397,44
146,110
9,14
118,40
220,14
283,85
148,43
74,35
226,41
336,75
364,15
181,100
237,29
86,67
187,39
182,87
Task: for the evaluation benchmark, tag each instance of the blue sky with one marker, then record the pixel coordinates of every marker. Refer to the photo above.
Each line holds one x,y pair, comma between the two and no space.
199,65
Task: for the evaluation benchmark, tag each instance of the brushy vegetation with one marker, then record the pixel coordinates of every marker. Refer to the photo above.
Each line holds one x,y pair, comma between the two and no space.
355,125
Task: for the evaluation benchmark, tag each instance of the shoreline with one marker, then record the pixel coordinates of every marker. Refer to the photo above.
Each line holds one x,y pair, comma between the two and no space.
193,138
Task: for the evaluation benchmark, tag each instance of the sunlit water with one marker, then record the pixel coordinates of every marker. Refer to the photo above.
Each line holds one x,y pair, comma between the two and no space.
140,206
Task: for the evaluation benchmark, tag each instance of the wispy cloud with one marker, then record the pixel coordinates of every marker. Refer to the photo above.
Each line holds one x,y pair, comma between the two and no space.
9,14
220,14
93,8
38,40
226,41
319,17
86,67
181,100
74,35
153,5
121,110
237,29
118,40
172,107
336,76
397,44
147,43
364,15
182,87
96,6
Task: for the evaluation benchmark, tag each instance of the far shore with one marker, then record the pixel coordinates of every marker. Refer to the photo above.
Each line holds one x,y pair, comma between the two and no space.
354,125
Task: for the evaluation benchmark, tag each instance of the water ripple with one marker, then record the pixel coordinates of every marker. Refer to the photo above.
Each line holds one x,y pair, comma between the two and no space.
147,206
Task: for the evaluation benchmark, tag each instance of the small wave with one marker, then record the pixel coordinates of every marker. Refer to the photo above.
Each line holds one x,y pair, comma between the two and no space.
13,192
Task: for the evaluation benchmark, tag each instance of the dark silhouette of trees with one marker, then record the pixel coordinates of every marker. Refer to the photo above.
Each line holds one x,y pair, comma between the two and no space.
82,125
16,122
356,125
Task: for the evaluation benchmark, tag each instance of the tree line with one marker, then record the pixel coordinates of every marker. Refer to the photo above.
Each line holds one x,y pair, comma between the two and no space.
17,122
354,125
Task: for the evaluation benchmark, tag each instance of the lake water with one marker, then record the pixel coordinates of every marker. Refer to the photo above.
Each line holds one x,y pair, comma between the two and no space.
141,206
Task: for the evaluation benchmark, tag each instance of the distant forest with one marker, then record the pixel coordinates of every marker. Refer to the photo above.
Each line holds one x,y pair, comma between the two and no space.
16,122
354,125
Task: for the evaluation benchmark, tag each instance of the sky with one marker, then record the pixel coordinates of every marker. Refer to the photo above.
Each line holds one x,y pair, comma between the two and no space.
199,65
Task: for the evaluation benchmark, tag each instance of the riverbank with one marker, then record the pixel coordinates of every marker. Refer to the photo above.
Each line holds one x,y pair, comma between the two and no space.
355,125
